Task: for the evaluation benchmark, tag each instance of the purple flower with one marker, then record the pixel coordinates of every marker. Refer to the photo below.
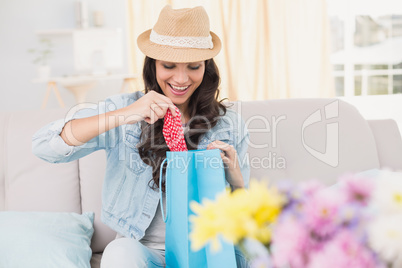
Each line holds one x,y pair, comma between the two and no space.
351,216
290,191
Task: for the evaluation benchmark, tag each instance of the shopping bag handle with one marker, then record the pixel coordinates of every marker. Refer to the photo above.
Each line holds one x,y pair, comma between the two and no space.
160,191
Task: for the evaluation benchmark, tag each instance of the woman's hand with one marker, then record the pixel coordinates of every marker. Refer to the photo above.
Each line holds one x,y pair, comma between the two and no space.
231,162
151,107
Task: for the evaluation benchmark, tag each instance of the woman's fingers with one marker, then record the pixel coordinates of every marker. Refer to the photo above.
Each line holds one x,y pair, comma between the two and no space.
229,150
152,118
151,107
172,109
164,101
158,105
228,154
217,144
225,159
159,110
230,160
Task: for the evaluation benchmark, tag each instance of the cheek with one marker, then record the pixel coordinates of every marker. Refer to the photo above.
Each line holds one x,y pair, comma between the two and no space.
161,75
165,76
197,77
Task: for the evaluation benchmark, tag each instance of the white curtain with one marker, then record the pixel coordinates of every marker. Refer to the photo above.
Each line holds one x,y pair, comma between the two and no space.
141,16
270,48
299,49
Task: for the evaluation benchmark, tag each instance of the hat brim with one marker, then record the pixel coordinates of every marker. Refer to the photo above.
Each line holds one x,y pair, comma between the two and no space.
177,54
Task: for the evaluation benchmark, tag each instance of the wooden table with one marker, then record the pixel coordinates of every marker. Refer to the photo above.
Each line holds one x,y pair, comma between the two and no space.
79,85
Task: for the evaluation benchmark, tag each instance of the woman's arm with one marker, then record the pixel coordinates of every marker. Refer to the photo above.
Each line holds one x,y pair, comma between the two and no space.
150,108
86,130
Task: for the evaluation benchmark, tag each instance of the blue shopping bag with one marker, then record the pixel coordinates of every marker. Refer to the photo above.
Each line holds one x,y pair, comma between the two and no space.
191,176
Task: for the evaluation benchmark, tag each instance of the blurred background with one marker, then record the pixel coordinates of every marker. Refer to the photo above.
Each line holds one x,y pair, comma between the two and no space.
60,53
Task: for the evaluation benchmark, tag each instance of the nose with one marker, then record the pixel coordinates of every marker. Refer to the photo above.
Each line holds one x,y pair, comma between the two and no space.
181,76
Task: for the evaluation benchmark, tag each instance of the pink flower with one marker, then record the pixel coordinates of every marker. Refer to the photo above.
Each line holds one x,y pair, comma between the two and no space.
311,187
321,213
290,243
343,251
357,189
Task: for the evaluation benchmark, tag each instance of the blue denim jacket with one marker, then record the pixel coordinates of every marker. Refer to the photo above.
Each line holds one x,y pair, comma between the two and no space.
128,203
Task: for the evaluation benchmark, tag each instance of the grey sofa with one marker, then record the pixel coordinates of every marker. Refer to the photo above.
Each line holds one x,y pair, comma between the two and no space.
294,139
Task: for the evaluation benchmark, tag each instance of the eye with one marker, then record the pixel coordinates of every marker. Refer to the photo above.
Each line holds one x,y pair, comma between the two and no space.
194,67
166,66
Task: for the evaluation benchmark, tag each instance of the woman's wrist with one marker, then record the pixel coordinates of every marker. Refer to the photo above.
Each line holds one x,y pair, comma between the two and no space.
125,116
235,187
236,180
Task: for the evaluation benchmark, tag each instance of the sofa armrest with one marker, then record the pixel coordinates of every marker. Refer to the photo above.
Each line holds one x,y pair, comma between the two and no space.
389,143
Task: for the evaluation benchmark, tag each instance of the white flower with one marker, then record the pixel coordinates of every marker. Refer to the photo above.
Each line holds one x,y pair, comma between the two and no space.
385,236
387,196
255,248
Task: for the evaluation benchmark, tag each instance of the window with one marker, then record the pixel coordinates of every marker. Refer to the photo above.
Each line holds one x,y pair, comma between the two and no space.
366,43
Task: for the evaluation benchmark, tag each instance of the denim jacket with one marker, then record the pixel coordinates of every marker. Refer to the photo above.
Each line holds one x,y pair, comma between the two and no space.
128,202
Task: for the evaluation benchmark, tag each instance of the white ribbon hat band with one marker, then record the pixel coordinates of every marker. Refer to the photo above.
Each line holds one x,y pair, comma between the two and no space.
182,41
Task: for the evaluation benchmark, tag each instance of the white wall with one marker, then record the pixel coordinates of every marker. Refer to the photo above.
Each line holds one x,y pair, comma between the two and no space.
19,19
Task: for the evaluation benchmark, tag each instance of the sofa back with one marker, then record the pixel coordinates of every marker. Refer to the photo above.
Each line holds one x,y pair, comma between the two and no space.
300,139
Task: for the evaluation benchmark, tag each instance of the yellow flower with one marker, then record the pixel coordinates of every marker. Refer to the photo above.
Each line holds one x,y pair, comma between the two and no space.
235,216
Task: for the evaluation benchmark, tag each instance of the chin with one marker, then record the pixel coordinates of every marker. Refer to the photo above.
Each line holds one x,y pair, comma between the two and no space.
178,103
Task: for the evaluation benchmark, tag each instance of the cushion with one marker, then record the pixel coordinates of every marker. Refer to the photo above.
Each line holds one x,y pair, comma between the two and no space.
92,173
45,239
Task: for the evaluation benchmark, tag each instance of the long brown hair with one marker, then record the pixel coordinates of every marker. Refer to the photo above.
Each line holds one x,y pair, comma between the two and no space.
204,109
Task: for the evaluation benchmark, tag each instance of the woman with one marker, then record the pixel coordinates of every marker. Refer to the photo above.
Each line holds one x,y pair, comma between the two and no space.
179,71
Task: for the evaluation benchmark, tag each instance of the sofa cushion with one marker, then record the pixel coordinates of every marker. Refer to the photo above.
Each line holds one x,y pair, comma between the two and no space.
31,183
92,172
45,239
3,123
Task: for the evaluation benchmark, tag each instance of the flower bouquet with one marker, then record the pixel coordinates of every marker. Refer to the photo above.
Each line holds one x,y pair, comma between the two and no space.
354,223
242,217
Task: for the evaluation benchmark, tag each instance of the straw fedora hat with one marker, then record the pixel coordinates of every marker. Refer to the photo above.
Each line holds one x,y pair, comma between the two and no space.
180,35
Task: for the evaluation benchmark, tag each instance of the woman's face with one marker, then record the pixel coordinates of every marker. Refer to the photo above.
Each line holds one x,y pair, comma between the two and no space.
178,81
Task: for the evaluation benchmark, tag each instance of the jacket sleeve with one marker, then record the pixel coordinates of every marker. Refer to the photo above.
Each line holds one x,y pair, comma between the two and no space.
241,149
49,146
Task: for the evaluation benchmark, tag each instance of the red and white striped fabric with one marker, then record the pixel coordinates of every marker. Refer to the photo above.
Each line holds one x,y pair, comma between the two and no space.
173,132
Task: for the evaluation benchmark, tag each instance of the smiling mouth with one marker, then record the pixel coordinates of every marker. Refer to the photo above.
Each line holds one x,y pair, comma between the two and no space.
178,88
179,91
